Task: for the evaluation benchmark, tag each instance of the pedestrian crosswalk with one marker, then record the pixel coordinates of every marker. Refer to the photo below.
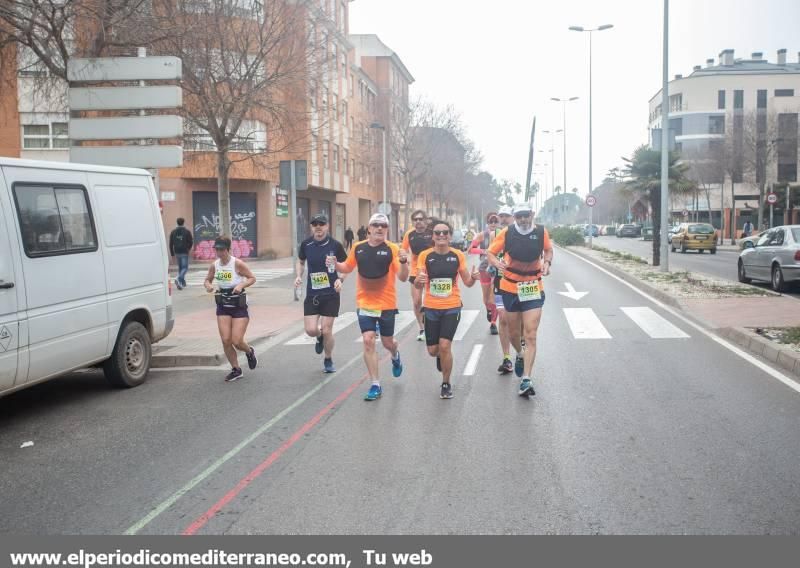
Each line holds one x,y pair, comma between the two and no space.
197,277
583,323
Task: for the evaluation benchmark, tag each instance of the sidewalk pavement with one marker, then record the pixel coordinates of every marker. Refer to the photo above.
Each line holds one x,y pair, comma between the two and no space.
253,263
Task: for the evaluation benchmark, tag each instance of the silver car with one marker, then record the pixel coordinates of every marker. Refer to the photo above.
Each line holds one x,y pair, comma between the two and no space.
774,258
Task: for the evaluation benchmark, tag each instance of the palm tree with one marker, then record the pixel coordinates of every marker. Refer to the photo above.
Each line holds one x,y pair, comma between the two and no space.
643,171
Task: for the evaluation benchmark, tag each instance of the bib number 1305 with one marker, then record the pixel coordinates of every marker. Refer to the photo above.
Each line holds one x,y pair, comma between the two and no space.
529,291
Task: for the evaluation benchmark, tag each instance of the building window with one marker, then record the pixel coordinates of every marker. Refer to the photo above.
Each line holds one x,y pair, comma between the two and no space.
53,136
716,125
784,92
352,85
721,100
676,103
336,107
54,220
353,168
344,112
787,147
762,98
346,162
738,99
314,147
251,137
336,157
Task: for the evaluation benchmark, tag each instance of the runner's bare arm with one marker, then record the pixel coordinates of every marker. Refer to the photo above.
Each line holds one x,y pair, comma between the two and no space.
209,281
402,257
244,271
299,271
469,278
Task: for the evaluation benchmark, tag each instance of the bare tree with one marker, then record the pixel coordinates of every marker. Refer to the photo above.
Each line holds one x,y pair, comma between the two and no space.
705,169
759,152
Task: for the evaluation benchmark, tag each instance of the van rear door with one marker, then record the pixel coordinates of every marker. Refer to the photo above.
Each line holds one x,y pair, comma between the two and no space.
9,314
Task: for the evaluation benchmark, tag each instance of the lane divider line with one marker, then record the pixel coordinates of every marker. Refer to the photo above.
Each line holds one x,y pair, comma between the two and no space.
775,374
472,362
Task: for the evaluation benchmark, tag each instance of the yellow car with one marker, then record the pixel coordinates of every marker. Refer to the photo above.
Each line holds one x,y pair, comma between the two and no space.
695,236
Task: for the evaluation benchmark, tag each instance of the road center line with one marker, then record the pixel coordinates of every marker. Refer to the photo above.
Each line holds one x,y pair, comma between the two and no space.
777,375
472,362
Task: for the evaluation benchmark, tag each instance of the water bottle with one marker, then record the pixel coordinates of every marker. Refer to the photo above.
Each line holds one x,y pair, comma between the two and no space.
331,262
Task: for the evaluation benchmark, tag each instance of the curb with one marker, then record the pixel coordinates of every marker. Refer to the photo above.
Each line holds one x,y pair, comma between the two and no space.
169,360
782,356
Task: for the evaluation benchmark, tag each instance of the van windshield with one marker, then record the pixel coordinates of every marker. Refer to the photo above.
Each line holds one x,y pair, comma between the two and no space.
701,229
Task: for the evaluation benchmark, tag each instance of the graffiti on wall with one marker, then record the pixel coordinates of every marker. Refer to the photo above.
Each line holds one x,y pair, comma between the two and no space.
242,230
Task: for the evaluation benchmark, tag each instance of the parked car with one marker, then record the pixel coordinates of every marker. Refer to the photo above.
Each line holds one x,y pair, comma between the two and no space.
83,272
458,239
594,230
775,258
672,231
629,230
647,233
695,236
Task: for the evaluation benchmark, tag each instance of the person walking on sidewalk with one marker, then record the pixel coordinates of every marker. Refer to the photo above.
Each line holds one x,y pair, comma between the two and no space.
362,233
438,270
527,257
323,287
415,241
479,246
349,236
180,245
231,276
506,218
380,263
747,230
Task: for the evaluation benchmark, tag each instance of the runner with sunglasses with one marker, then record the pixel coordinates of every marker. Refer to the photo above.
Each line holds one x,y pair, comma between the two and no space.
379,263
479,246
324,286
438,270
506,218
415,241
527,257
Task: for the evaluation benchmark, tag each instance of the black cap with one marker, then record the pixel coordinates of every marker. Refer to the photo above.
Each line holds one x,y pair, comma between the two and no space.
222,243
320,218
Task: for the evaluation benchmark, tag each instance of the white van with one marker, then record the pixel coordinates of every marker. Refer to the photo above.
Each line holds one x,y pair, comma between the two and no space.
83,272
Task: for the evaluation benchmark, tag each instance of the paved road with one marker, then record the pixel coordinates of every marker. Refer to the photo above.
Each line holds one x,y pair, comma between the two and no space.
721,265
641,424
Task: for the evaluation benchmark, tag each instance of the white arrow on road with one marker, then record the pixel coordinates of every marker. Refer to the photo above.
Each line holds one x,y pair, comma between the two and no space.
571,293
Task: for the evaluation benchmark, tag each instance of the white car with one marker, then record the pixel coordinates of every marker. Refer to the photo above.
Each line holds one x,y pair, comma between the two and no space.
774,258
83,272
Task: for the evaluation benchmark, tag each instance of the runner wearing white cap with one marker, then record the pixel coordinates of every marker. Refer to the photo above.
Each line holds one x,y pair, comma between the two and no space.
527,257
380,263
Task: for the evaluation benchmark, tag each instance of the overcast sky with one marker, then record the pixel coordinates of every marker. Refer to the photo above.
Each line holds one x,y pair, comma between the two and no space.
499,62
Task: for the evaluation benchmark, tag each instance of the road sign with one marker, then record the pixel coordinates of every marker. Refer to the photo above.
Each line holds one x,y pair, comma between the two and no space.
281,202
126,128
385,208
591,201
120,98
772,198
685,213
300,173
128,156
124,69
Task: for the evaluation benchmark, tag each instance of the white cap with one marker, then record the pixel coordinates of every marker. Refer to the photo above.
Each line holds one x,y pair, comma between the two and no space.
506,210
523,208
379,218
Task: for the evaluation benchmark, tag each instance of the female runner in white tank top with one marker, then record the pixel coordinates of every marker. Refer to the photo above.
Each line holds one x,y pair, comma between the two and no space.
230,276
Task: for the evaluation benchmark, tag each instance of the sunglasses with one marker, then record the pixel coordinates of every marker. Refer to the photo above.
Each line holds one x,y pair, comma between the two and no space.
493,220
318,224
522,216
418,219
380,226
441,233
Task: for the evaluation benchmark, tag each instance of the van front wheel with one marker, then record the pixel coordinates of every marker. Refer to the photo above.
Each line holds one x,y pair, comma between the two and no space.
130,361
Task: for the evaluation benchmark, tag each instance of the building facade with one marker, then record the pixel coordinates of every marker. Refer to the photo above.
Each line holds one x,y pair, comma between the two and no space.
735,122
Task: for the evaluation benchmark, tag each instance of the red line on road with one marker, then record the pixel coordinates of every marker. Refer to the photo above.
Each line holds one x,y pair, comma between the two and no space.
203,520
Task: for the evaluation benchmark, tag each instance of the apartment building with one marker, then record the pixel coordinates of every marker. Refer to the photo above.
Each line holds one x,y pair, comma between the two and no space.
363,83
748,104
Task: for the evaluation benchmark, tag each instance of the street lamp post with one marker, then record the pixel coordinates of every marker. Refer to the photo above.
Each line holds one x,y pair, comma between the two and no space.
564,102
553,152
379,126
665,146
591,184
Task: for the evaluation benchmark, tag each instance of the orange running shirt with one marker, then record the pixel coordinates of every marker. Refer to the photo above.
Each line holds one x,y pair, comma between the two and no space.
512,274
417,243
442,291
376,286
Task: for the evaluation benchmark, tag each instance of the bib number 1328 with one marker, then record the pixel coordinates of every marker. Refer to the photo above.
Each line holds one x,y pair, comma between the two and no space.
529,291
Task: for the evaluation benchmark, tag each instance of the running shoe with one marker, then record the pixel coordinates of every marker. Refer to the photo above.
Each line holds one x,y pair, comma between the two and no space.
397,366
447,391
506,367
526,388
438,363
234,375
178,285
328,364
375,392
319,347
421,335
252,360
493,329
519,366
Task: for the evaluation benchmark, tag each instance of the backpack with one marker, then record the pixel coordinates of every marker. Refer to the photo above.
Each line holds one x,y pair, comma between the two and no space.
179,239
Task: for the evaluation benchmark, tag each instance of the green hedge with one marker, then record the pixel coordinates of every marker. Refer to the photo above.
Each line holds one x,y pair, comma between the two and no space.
567,237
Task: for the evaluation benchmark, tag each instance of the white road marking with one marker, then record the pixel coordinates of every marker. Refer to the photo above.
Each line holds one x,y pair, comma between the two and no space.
196,278
402,321
467,319
585,324
343,321
571,293
472,363
653,324
775,374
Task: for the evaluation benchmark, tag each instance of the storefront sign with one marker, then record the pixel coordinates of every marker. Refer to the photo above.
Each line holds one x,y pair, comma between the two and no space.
281,202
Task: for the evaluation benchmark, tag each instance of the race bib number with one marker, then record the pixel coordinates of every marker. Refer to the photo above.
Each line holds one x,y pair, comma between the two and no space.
529,291
224,276
369,313
320,281
441,287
